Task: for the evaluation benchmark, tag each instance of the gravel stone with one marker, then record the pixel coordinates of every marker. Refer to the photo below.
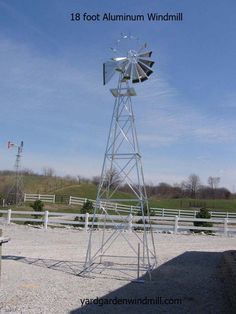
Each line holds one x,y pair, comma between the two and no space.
39,270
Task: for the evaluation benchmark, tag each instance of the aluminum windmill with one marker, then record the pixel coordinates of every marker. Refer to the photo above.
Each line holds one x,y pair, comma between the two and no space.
122,165
16,193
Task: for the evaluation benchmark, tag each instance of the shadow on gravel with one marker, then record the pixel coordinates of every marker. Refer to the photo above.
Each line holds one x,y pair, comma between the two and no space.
69,267
189,283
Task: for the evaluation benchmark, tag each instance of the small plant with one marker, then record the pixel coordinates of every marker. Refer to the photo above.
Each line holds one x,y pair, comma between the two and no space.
87,208
37,207
203,213
141,220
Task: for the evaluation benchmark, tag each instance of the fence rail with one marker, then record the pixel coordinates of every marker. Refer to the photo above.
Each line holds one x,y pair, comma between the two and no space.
43,197
160,212
225,226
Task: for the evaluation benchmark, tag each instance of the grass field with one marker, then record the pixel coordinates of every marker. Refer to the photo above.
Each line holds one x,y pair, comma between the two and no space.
185,203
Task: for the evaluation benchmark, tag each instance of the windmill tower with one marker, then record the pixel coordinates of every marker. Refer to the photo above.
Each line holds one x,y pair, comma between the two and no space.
16,192
122,166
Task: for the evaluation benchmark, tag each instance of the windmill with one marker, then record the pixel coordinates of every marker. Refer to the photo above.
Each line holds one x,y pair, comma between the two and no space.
16,193
122,166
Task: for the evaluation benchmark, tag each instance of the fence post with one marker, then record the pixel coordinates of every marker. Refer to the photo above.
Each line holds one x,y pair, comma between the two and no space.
24,197
225,227
163,212
39,196
86,222
46,219
179,212
8,216
3,202
54,198
195,214
130,224
176,224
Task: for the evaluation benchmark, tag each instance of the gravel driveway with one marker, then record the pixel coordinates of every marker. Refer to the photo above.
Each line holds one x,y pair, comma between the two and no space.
39,270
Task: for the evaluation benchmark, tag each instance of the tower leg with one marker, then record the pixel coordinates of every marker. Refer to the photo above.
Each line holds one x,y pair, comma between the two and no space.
122,172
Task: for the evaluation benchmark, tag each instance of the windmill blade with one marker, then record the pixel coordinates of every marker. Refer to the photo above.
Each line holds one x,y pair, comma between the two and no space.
142,76
145,54
127,72
141,72
136,76
120,59
123,65
142,48
147,62
144,65
146,69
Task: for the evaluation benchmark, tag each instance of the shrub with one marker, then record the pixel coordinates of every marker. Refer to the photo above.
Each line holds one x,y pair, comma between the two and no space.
203,213
38,207
86,208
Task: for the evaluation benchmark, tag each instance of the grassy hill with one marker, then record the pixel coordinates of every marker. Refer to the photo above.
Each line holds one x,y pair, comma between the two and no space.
65,187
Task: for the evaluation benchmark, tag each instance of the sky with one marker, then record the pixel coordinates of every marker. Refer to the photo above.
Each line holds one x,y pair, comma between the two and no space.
52,96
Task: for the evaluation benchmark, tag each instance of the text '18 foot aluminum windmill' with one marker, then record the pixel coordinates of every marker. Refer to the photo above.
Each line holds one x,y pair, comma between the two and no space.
121,196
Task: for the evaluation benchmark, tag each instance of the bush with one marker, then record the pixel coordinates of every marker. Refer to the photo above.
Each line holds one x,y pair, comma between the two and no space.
38,207
87,208
203,213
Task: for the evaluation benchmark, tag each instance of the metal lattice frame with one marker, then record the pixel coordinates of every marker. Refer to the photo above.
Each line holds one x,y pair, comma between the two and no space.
122,166
16,193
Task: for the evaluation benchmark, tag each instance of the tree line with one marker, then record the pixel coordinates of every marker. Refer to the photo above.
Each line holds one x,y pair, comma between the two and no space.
192,187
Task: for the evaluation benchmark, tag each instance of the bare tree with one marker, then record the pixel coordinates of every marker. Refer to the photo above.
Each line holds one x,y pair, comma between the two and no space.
213,183
193,184
48,171
112,178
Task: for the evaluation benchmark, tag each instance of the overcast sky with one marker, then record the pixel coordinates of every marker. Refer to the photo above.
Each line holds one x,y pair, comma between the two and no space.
52,97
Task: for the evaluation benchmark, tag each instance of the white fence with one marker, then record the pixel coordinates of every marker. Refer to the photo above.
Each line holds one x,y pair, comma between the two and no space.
160,212
175,224
165,212
34,197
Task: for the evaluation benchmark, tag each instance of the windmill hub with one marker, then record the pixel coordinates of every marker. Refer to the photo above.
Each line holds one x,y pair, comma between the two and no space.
132,54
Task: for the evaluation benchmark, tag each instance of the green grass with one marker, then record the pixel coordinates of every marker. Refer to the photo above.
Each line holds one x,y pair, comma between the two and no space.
86,190
217,204
36,183
78,190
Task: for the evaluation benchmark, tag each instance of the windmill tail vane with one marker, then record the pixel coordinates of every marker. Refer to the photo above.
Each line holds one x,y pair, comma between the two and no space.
10,144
